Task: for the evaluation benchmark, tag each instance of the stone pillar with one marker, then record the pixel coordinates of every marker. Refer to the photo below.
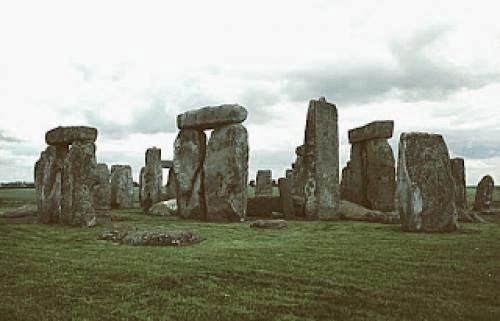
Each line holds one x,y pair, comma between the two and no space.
264,183
142,185
426,189
458,172
322,190
122,186
101,193
153,179
171,188
48,186
285,186
484,193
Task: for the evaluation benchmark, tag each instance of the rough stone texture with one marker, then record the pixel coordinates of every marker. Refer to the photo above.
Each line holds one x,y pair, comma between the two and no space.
354,176
322,190
373,130
142,185
68,135
151,238
167,164
263,206
380,175
300,150
226,173
121,186
22,211
285,186
79,176
484,193
161,209
189,154
101,193
48,171
264,183
426,189
354,212
212,117
171,187
153,178
299,177
271,224
458,172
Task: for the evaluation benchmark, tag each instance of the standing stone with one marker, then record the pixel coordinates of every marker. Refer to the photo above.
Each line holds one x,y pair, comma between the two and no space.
484,193
354,176
226,173
458,172
285,186
189,154
101,193
171,187
212,117
122,186
79,176
425,184
153,178
142,185
322,190
264,183
380,175
48,185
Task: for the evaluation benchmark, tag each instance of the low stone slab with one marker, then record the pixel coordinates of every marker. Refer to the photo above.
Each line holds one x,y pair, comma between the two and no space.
67,135
151,238
164,208
23,211
271,224
376,129
212,117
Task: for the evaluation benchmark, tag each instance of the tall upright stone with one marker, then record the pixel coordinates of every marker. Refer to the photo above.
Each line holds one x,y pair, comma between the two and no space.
380,175
264,183
458,172
171,187
122,186
484,193
226,173
101,193
285,187
153,178
48,171
426,188
189,155
142,185
322,191
79,176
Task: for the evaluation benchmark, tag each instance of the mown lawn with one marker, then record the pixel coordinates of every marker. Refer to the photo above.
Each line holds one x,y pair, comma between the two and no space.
310,271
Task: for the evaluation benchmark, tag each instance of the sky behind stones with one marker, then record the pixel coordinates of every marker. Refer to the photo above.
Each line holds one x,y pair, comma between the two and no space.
129,67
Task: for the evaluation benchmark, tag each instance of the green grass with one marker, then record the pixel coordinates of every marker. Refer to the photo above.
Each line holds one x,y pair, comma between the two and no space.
310,271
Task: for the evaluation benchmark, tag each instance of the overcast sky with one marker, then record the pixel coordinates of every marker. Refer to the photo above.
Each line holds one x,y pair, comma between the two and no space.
129,67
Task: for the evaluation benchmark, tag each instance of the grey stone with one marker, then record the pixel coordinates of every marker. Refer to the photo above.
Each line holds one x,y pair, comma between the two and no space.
269,224
264,183
484,193
354,176
322,190
373,130
122,188
101,192
70,134
285,186
426,189
189,154
263,206
142,185
164,208
212,117
151,238
458,172
226,173
171,187
22,211
79,176
300,150
167,164
380,175
153,178
299,177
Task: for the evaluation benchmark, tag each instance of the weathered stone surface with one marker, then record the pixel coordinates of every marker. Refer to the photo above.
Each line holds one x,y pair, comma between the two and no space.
373,130
300,150
189,154
153,178
380,175
299,177
163,208
322,190
484,193
458,172
171,187
226,173
285,186
263,206
354,212
142,185
212,117
167,164
122,191
68,135
151,238
22,211
101,192
354,176
79,175
425,189
271,224
48,171
264,183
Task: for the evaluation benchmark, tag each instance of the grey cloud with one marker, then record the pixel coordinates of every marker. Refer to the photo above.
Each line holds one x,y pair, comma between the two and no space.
414,77
258,101
4,138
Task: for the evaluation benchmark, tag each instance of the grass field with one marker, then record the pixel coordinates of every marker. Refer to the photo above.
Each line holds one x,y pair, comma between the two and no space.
310,271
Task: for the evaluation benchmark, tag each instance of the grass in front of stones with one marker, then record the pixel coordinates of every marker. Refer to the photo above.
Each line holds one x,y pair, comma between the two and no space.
310,271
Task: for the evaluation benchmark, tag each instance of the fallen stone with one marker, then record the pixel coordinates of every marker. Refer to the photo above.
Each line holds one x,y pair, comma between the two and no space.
484,193
122,191
269,224
70,134
226,173
426,190
264,183
373,130
212,117
164,208
23,211
151,238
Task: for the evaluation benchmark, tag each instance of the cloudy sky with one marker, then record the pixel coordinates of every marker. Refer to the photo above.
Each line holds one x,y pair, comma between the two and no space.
129,67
